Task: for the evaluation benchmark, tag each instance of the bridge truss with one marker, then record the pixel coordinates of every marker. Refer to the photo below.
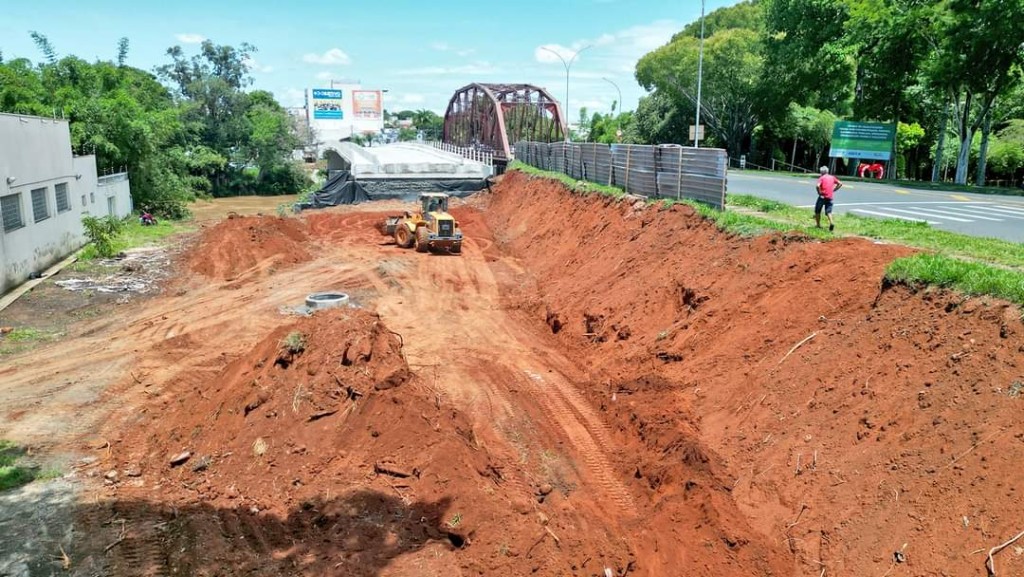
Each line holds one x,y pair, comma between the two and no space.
493,117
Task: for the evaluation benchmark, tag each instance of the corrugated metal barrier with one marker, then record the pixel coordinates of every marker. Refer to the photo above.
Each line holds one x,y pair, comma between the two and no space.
660,171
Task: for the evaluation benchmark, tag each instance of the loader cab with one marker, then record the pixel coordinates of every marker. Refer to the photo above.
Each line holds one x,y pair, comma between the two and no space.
434,203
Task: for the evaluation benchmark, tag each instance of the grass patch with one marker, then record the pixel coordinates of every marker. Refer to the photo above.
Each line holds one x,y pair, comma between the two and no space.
970,278
11,473
745,224
134,235
23,338
574,185
294,343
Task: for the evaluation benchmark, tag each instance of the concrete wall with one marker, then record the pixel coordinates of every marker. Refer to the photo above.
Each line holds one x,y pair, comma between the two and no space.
35,154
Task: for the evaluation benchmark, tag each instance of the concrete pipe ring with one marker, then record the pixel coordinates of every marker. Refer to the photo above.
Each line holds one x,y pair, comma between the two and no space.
326,300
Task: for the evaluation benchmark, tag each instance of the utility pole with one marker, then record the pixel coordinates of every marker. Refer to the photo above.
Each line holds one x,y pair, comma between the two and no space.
567,66
700,75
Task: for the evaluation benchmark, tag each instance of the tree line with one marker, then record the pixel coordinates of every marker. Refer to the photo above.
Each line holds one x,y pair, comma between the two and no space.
778,73
191,127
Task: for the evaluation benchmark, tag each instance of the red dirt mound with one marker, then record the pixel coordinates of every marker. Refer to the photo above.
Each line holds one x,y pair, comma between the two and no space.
318,453
853,420
237,245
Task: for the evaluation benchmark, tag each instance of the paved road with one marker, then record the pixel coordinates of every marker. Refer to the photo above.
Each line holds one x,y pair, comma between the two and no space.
988,215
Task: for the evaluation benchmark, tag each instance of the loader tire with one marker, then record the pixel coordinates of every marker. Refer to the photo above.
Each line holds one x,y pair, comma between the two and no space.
456,248
403,237
422,239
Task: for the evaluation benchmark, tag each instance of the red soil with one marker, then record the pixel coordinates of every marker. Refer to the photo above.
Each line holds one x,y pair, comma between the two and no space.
896,426
236,245
684,401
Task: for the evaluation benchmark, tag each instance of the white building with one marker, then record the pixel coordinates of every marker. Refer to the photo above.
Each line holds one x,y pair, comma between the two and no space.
44,192
336,113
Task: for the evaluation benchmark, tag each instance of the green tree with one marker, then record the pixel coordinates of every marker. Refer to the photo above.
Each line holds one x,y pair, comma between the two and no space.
748,15
250,131
978,47
657,120
908,138
807,58
731,81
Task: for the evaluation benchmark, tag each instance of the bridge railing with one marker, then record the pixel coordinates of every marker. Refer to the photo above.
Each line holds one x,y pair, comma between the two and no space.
466,152
660,171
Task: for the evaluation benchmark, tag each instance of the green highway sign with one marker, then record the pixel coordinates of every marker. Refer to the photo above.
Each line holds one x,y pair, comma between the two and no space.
863,140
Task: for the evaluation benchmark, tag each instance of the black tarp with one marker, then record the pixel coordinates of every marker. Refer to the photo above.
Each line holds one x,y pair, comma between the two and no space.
340,188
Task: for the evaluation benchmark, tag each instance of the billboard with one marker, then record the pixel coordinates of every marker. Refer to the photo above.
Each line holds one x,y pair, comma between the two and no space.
367,105
327,104
862,140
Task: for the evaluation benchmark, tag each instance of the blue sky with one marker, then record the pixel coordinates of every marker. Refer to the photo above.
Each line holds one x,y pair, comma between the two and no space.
420,51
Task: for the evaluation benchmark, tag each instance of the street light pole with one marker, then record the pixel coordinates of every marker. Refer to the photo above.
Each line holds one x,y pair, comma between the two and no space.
608,80
567,66
618,129
700,75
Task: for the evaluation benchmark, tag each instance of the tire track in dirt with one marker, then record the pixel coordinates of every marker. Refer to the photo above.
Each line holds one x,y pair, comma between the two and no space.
558,398
141,551
451,318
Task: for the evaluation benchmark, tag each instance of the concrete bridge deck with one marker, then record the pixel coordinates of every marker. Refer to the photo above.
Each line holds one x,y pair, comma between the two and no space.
404,160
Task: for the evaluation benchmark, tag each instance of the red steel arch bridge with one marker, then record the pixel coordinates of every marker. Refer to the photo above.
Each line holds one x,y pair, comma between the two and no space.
491,118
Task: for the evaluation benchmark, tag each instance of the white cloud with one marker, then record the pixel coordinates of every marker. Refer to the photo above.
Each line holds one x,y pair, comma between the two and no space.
190,38
445,47
334,56
618,51
413,98
476,68
293,97
253,65
324,75
550,53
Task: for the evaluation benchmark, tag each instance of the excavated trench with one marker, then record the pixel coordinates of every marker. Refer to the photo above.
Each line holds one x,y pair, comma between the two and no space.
592,386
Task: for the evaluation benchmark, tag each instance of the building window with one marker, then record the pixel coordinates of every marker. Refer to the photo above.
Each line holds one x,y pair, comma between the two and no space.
92,198
63,198
10,206
83,201
40,208
112,205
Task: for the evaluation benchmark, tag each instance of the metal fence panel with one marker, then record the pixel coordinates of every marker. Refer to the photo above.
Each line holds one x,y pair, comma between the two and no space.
663,171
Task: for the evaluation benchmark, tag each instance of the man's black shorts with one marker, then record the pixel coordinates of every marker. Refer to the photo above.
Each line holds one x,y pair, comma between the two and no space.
823,202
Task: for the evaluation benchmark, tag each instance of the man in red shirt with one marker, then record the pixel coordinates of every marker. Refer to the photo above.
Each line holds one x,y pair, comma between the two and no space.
827,187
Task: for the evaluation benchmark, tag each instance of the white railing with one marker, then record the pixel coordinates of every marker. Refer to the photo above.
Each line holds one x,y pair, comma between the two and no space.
465,152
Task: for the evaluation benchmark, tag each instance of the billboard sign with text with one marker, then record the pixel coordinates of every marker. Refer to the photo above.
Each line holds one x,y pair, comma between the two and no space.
367,105
327,104
862,140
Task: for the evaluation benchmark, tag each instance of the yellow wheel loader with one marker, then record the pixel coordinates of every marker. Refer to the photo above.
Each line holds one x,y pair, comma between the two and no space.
432,228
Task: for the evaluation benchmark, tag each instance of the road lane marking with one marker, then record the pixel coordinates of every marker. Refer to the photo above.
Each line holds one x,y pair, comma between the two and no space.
901,191
886,215
1009,208
992,211
951,212
897,203
924,213
959,197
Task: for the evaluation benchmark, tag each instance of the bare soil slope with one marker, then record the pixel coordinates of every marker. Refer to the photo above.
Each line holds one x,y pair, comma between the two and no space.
894,426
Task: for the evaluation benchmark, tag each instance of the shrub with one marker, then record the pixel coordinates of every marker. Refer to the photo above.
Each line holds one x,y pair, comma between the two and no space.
102,232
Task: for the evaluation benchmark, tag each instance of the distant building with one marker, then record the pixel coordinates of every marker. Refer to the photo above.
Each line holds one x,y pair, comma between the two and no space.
44,192
345,109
